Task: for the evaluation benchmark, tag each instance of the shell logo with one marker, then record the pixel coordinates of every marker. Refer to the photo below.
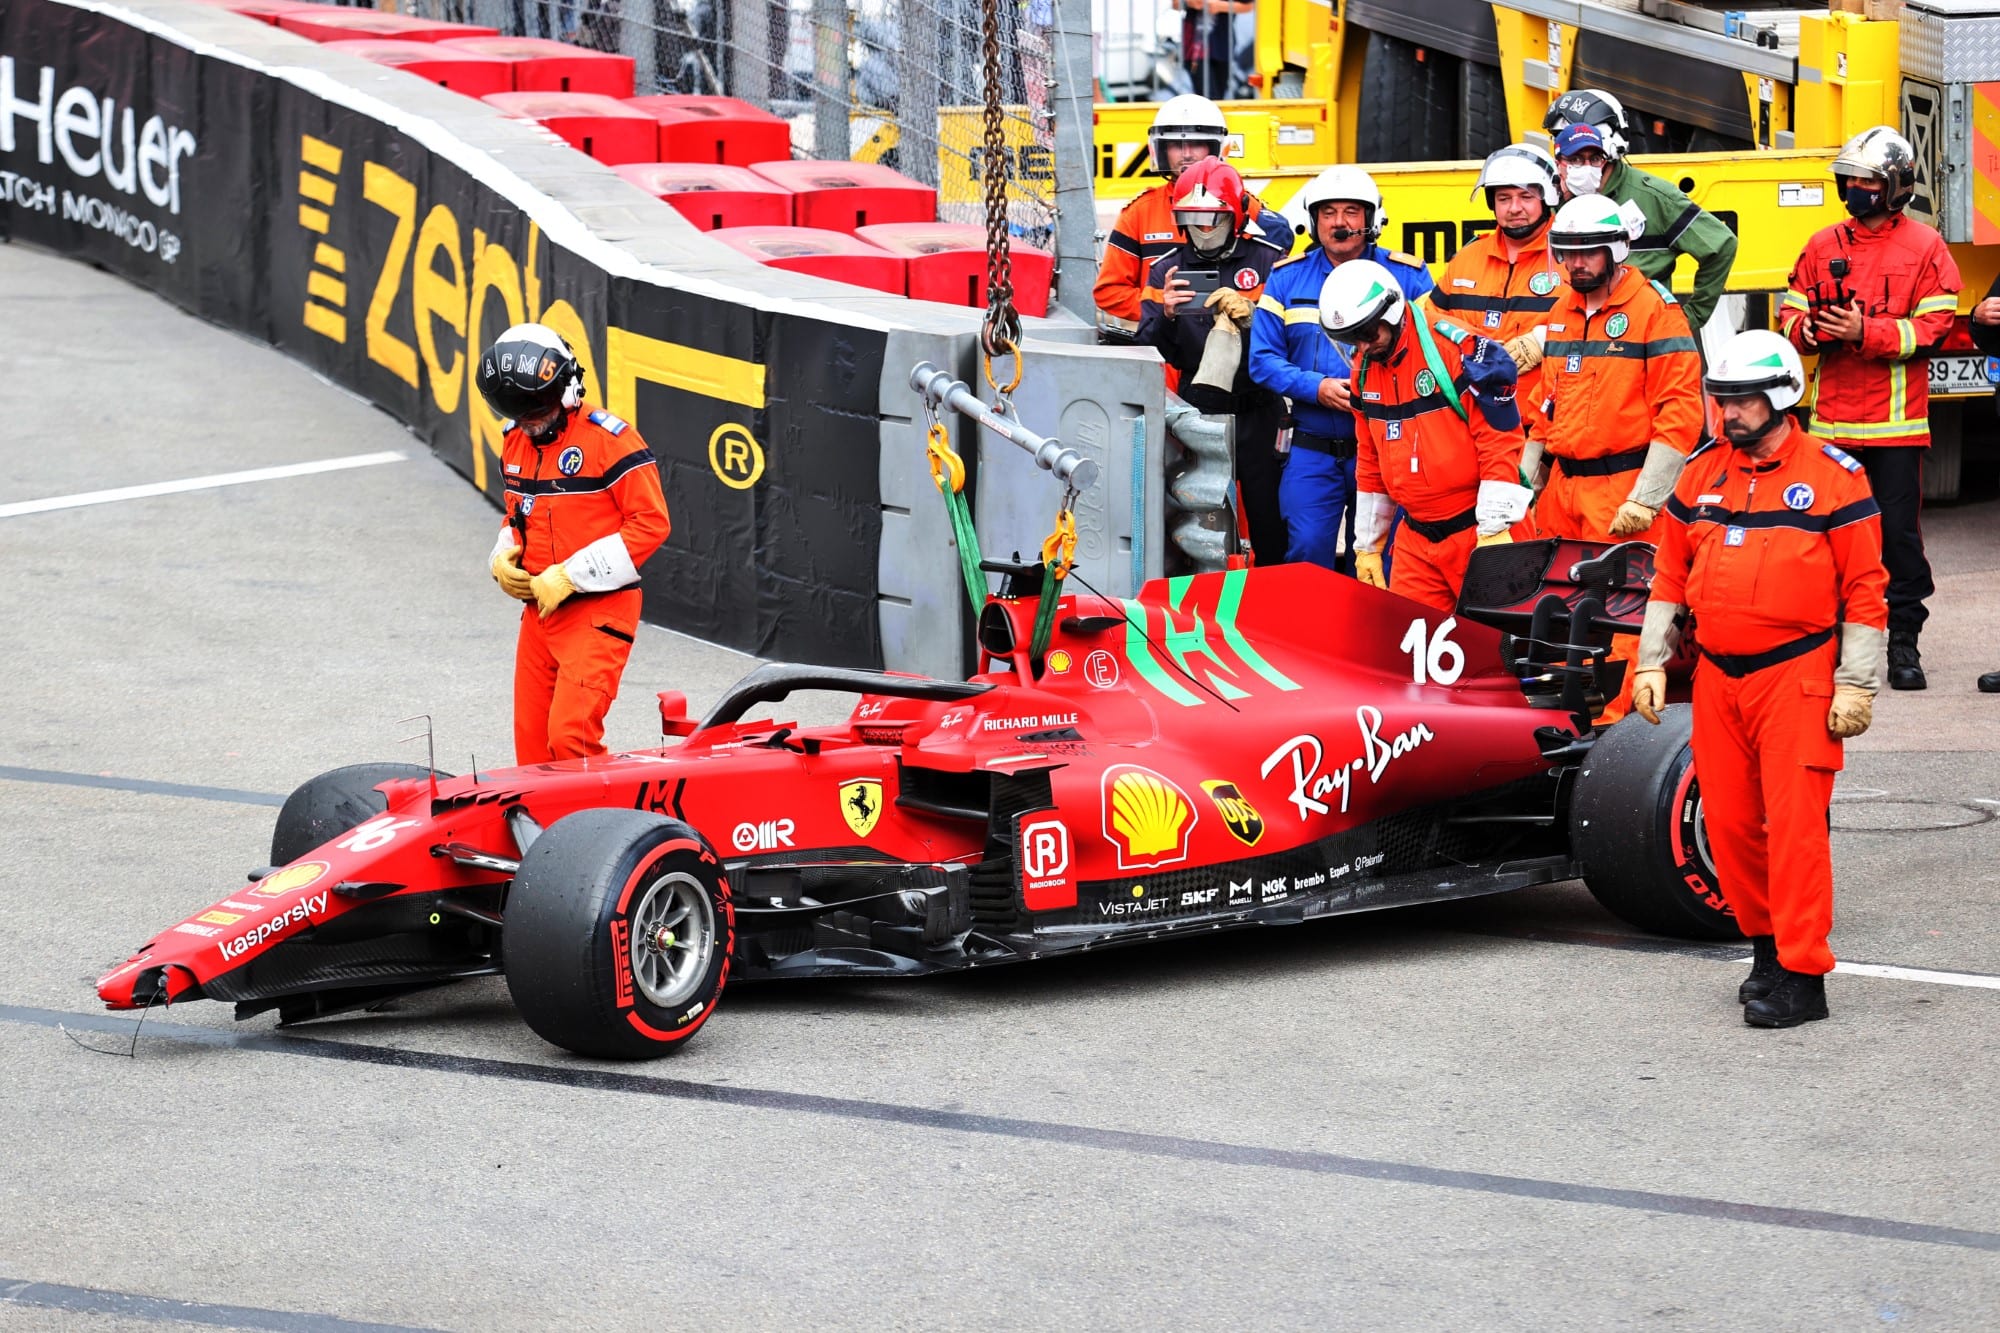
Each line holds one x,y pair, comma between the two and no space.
290,878
1147,818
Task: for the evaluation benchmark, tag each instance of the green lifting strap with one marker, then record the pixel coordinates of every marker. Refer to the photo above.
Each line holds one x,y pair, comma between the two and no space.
968,547
1045,613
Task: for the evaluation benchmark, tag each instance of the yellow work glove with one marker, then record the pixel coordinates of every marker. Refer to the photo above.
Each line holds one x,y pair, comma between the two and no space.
1496,539
1632,517
512,578
1649,693
1234,306
1853,709
552,587
1368,568
1527,353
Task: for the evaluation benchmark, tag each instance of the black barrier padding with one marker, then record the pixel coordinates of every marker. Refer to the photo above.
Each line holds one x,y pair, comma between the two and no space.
387,267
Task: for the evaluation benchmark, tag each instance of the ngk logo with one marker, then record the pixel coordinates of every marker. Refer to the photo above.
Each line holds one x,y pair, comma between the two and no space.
1044,849
765,836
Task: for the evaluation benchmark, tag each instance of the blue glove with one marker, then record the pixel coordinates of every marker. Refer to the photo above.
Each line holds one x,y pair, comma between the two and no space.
1491,369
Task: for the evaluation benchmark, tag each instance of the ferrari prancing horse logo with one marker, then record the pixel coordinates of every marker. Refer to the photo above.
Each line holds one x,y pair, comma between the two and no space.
861,804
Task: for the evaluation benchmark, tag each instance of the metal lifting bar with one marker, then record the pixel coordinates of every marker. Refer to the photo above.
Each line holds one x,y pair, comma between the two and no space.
939,389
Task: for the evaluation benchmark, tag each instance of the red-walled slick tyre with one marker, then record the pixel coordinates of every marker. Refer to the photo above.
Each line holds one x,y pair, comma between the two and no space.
619,931
1636,825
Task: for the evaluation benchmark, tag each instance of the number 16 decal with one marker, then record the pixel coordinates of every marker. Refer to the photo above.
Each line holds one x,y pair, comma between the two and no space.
1434,657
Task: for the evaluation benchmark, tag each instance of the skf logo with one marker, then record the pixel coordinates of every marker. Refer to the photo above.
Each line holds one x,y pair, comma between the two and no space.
764,836
1238,815
861,805
735,456
326,283
1146,817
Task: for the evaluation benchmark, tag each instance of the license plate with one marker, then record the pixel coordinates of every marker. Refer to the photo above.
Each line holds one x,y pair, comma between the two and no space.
1959,374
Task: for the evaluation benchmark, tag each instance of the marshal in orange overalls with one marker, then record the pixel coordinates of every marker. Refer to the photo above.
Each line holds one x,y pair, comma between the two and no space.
589,500
1774,559
1411,446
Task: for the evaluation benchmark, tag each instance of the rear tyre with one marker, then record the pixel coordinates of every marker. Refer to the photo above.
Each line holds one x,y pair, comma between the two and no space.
1636,827
331,804
619,931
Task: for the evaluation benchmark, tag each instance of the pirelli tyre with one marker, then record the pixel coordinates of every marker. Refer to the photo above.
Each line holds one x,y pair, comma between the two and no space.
1636,826
331,804
618,936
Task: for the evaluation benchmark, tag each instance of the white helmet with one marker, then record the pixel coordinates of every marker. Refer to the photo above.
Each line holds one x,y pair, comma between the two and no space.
1881,154
1596,108
1188,118
1758,361
1345,184
1524,164
1355,295
1590,221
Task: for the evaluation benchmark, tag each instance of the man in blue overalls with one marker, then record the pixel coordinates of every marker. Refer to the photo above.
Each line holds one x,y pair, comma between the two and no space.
1291,354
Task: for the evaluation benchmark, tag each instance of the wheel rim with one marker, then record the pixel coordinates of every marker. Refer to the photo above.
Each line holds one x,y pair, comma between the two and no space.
673,937
1700,838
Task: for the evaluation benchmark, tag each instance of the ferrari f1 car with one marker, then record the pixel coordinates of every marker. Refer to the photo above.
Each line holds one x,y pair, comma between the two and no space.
1226,750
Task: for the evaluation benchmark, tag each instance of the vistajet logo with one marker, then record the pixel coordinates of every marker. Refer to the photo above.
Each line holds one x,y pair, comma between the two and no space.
299,911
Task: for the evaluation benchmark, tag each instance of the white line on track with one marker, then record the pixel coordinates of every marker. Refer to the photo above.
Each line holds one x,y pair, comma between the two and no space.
198,483
1978,979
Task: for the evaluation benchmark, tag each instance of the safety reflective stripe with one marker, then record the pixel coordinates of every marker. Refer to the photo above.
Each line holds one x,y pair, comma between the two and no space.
1620,350
1870,430
1269,305
582,485
1409,411
1303,314
1906,336
1666,238
1445,300
1794,301
1899,390
1931,305
1797,520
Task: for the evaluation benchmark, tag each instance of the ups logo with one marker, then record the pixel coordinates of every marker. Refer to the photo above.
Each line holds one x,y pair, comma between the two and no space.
1238,815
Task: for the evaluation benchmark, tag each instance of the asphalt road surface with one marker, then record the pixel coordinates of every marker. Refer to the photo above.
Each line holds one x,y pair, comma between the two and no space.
1513,1113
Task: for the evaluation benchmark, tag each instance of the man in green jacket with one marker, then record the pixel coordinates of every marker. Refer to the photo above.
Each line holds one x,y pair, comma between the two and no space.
1590,144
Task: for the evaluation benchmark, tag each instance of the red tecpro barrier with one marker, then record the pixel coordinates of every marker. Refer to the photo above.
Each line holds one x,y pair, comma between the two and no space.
841,196
947,262
824,254
724,130
265,11
543,66
601,126
327,24
712,197
460,71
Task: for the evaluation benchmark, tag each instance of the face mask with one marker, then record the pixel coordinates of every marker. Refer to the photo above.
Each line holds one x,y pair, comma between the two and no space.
1211,239
1584,180
1861,200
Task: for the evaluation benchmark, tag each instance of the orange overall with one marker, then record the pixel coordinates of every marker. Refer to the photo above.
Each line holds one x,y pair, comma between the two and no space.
595,481
1772,558
1619,379
1145,230
1411,446
1501,298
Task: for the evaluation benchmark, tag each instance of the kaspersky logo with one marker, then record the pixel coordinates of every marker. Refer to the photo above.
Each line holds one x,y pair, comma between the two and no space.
1208,647
299,911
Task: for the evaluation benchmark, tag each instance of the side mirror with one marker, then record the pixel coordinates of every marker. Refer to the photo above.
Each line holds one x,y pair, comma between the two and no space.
674,719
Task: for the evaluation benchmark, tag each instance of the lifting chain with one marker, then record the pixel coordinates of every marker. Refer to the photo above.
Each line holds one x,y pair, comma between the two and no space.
1000,333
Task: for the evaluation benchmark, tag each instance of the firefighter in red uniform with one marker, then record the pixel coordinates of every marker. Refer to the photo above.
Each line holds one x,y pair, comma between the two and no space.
584,510
1871,297
1775,546
1438,433
1185,130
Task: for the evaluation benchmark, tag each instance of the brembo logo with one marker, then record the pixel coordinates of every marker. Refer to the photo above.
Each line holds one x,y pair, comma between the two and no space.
277,925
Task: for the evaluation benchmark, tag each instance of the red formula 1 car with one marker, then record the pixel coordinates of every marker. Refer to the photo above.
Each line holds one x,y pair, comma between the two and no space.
1226,750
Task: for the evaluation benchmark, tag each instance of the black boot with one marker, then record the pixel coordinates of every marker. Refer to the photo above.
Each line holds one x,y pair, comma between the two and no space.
1765,973
1906,665
1990,683
1799,997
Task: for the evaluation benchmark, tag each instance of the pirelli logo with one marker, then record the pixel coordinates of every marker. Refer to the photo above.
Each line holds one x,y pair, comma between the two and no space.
326,283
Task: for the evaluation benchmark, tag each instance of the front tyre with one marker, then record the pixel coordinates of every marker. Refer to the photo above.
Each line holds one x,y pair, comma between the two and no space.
1636,826
329,805
619,931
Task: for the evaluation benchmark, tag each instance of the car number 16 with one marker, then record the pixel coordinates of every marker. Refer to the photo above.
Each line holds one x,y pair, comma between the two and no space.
1434,657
